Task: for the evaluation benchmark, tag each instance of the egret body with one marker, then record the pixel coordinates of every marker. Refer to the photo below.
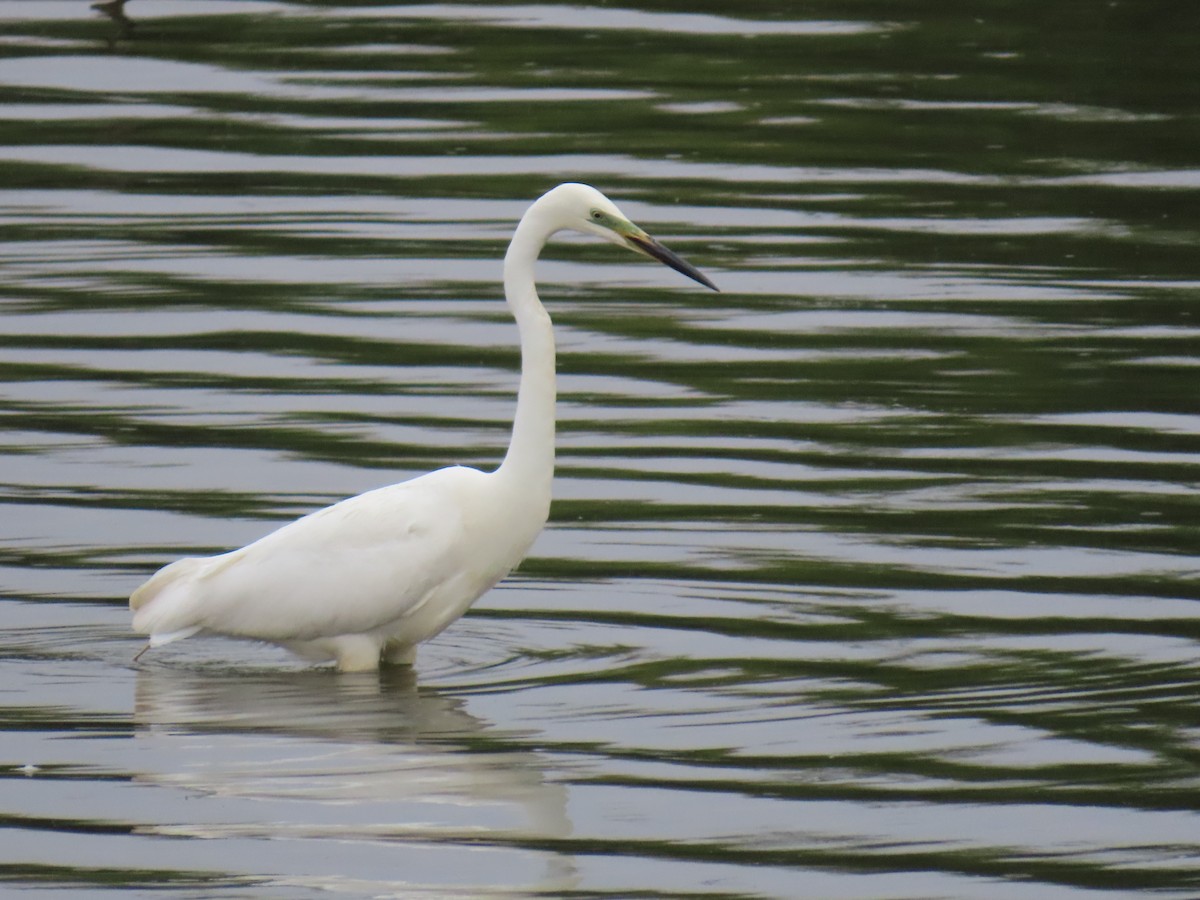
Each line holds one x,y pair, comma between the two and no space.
367,579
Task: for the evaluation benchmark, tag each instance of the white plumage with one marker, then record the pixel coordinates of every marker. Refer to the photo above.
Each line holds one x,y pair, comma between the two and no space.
369,578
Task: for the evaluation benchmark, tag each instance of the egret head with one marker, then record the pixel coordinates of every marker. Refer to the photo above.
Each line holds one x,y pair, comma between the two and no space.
583,208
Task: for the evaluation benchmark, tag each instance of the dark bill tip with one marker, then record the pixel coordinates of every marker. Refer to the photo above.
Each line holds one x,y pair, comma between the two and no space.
651,247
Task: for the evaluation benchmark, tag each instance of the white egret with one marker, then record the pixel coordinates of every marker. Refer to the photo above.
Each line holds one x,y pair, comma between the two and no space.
369,578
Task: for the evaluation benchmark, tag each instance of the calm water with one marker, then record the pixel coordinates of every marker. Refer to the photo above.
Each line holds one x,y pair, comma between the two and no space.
874,576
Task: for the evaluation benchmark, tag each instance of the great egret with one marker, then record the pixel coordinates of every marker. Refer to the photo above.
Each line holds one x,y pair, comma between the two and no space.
372,576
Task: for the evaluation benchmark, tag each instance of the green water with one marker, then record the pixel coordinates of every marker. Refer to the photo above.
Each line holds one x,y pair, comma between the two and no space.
873,576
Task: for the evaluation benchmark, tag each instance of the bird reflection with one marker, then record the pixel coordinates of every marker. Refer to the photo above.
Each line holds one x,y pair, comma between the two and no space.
405,764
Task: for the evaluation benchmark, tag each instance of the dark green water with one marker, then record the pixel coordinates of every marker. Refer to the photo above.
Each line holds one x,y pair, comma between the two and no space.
874,576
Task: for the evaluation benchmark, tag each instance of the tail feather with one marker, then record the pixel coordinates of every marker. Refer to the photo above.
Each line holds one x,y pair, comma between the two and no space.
163,606
158,639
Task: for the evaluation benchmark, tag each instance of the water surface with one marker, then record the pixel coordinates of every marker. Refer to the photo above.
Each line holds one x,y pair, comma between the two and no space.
875,575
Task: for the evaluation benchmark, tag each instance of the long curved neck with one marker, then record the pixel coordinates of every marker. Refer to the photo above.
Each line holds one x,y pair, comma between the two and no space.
529,462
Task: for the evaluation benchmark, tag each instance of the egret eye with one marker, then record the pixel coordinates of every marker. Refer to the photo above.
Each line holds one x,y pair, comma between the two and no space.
597,216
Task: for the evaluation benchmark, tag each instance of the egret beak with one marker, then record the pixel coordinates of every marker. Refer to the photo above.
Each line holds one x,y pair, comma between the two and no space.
648,246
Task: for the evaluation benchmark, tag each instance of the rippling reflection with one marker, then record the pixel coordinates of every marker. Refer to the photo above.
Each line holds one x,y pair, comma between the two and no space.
873,576
297,756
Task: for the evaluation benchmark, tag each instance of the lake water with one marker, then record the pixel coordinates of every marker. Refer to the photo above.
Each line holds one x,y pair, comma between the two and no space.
874,576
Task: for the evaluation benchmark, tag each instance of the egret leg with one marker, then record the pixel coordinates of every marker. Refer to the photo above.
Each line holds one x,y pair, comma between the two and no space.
399,654
356,652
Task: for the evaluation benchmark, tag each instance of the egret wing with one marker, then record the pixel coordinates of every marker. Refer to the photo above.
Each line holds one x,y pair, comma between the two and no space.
347,569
